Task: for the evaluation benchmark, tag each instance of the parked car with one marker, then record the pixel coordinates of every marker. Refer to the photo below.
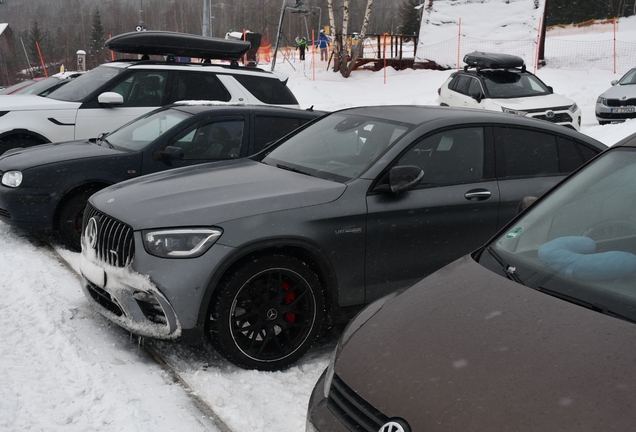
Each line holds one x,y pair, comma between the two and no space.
257,253
500,82
618,103
115,93
47,85
45,188
533,331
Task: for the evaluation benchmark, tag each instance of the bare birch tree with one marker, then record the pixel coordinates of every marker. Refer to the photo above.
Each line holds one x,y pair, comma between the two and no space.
363,31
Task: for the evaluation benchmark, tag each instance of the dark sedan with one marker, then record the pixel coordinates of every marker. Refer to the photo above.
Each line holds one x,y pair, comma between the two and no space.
532,332
46,187
257,253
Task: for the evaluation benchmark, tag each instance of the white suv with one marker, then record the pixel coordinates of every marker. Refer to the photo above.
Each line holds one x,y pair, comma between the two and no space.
500,82
115,93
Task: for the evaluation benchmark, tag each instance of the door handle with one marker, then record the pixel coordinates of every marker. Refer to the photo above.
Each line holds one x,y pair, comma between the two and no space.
477,195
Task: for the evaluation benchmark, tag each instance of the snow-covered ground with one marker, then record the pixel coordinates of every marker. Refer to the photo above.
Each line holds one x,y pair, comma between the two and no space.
64,367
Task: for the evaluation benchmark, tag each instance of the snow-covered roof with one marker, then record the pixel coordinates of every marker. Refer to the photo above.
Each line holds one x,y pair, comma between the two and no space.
503,26
3,27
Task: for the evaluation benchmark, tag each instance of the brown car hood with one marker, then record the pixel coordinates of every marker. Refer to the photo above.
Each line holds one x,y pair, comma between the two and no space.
467,349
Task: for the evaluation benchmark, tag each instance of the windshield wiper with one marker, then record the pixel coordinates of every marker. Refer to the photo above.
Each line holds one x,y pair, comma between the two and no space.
511,272
101,138
292,169
592,306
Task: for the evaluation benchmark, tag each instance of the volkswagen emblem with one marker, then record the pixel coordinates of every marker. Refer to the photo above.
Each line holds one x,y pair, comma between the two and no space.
91,233
549,114
395,425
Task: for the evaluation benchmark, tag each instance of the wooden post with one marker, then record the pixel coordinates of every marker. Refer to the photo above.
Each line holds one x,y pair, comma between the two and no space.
41,59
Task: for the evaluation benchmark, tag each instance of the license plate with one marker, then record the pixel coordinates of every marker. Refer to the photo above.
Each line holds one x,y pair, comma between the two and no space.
623,110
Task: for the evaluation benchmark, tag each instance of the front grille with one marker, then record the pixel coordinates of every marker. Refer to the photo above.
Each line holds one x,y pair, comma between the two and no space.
5,213
114,243
620,103
557,118
353,411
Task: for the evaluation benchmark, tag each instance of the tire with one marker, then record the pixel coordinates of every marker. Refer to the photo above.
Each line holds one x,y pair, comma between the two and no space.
266,314
18,141
69,226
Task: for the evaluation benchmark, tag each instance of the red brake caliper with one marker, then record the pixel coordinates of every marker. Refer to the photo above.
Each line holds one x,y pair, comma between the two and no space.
290,317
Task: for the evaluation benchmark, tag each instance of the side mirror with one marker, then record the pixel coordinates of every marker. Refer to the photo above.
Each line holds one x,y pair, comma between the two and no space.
614,82
550,89
478,97
525,203
172,153
110,98
403,178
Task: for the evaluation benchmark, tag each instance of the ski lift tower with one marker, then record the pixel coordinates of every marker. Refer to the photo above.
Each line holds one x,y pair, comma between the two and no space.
299,9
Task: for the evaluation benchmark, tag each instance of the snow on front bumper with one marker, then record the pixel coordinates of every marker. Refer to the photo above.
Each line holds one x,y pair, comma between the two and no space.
127,298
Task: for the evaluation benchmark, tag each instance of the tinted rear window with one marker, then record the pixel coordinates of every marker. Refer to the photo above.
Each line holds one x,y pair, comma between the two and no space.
267,90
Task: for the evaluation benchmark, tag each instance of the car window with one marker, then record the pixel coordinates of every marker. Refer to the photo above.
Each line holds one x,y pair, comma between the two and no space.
86,84
452,156
474,88
268,129
463,84
527,152
628,78
198,86
580,242
142,88
212,140
502,84
587,152
339,147
569,156
267,90
142,131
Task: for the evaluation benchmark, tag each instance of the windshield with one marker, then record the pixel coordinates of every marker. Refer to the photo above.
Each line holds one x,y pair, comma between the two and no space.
629,78
580,242
142,131
506,85
338,147
86,84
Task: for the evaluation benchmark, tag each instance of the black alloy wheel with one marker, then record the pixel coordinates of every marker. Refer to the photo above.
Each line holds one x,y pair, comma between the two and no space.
267,314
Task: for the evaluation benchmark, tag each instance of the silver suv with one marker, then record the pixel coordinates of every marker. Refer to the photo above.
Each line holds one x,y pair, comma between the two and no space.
113,94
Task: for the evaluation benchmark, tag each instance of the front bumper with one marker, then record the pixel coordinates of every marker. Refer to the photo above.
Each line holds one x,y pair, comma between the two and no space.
605,113
152,297
28,208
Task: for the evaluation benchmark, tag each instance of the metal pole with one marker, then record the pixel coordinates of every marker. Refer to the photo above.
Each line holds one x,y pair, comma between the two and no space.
205,26
27,57
280,30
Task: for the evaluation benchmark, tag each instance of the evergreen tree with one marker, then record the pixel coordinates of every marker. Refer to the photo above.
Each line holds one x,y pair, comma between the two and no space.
97,32
36,34
409,17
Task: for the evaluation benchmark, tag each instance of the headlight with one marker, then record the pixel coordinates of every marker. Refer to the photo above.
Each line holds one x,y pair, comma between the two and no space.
12,178
358,321
512,111
601,100
180,243
573,108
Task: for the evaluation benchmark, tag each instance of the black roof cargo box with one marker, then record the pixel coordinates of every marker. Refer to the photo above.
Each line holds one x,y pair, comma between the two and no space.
483,60
177,44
